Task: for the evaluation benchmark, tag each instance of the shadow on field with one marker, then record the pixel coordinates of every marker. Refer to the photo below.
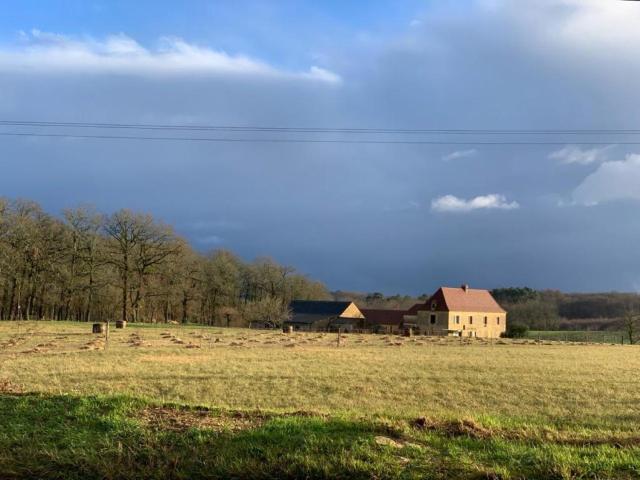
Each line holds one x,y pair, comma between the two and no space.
68,437
72,437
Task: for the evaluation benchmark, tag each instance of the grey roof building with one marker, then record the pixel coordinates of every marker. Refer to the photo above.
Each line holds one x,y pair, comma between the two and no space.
324,315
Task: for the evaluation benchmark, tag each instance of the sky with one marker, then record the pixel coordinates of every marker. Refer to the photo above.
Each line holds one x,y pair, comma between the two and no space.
391,217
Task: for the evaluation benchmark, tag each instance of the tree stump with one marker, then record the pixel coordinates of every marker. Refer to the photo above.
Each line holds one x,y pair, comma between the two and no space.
98,328
121,323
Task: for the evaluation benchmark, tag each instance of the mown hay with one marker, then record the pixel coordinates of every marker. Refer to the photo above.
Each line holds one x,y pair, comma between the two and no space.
8,387
33,350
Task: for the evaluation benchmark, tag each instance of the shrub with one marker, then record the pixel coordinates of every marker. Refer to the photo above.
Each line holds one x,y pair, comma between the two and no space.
516,330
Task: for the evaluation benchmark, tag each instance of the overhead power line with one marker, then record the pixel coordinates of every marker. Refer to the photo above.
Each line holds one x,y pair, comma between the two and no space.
316,135
304,140
276,129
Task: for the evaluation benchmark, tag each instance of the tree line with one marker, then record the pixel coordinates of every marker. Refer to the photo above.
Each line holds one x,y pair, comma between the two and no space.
90,266
555,310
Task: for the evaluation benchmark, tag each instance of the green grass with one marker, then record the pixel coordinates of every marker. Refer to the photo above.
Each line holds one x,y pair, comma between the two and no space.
69,437
91,437
579,336
250,405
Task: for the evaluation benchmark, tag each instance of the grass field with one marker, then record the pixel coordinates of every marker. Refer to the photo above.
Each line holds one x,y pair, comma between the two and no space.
598,336
195,402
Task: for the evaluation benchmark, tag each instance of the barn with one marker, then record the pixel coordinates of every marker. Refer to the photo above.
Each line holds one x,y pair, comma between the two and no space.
379,320
313,315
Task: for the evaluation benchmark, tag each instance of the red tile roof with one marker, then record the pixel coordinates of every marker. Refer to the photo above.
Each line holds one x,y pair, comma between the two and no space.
463,299
383,317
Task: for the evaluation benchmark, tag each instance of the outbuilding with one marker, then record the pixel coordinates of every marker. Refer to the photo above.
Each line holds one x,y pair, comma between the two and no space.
313,315
382,320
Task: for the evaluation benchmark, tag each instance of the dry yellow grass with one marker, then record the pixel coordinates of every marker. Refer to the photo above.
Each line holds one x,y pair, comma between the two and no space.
553,384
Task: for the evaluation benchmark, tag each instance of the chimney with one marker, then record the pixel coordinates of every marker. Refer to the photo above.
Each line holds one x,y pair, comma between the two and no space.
465,287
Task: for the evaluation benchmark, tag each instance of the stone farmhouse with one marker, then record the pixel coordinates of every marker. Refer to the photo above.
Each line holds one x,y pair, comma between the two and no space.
460,311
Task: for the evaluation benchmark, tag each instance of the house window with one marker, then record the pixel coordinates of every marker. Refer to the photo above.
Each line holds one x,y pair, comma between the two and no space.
433,319
470,320
486,320
434,305
498,320
458,319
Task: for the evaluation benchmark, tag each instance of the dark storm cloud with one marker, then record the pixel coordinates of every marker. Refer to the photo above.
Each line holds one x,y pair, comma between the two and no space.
360,216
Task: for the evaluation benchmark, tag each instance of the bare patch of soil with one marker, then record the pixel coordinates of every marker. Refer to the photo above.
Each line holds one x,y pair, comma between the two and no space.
177,420
472,429
454,428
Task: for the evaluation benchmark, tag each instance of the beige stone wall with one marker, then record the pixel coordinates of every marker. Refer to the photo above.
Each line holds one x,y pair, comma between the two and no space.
424,321
352,311
446,321
473,323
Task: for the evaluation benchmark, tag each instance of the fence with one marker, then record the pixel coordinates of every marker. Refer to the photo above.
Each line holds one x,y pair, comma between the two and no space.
579,336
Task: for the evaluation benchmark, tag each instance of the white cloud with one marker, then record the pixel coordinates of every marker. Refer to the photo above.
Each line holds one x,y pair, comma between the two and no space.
317,73
615,180
574,154
451,203
586,27
48,52
460,154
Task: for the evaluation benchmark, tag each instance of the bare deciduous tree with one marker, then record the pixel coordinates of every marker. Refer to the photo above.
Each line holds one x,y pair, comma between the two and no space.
128,266
138,244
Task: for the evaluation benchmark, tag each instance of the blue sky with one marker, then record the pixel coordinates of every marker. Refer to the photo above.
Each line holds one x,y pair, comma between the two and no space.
283,32
395,218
